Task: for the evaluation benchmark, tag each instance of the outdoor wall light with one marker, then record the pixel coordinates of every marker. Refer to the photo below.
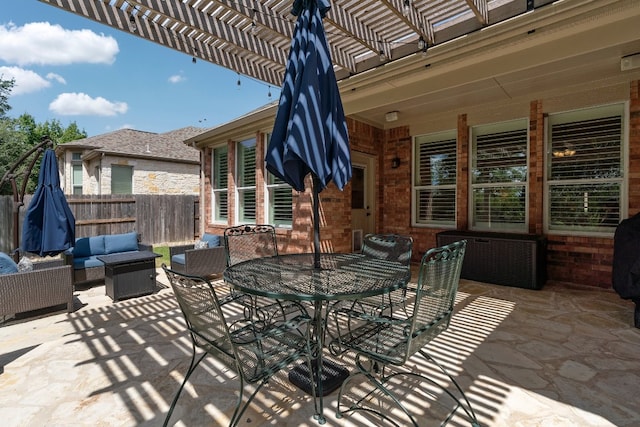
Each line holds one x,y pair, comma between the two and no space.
423,45
406,10
395,163
132,23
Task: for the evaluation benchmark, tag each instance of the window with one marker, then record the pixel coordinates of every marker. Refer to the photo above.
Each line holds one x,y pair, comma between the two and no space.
219,183
434,179
499,176
585,170
121,179
246,180
76,173
279,200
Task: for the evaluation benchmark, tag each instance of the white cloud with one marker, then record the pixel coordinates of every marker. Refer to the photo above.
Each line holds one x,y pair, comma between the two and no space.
177,78
42,43
56,77
68,104
26,81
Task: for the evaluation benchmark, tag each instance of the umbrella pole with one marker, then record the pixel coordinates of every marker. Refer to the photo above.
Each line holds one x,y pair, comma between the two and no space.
316,222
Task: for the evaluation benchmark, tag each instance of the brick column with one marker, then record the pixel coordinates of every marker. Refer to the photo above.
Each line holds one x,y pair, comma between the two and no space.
462,184
536,167
634,148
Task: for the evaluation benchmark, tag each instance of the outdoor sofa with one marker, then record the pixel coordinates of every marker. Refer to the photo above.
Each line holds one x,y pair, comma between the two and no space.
205,262
49,284
84,255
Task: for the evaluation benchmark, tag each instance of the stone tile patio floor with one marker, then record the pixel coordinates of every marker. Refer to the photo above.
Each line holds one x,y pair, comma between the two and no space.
562,356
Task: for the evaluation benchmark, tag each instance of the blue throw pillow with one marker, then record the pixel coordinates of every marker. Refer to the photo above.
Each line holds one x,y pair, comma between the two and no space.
116,243
7,264
212,239
88,246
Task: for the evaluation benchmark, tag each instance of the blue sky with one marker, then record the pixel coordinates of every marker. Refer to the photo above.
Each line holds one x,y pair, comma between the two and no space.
70,68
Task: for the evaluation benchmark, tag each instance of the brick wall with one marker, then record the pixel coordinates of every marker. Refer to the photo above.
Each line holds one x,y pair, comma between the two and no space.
581,260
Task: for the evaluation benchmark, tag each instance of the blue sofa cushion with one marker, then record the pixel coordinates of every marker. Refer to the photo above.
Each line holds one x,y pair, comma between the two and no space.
7,264
87,246
178,259
86,262
212,239
116,243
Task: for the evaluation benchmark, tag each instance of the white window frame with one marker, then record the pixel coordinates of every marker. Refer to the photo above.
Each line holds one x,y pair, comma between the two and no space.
242,188
76,164
594,112
490,225
218,193
418,140
270,193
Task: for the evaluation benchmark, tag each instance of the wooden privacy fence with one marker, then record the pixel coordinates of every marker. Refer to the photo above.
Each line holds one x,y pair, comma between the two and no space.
158,218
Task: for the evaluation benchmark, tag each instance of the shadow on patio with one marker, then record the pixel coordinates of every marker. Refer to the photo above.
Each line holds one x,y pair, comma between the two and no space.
558,357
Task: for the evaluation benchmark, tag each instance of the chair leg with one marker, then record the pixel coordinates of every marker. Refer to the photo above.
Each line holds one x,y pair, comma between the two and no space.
192,366
379,385
468,409
237,413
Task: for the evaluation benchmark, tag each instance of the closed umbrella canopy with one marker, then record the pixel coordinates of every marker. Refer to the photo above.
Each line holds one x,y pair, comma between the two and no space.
310,130
49,225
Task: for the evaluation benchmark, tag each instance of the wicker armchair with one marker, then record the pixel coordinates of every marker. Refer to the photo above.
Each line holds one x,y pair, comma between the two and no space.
49,284
384,341
254,351
205,262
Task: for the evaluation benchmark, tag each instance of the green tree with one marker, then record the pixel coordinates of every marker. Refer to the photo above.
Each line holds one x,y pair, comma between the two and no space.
19,135
5,90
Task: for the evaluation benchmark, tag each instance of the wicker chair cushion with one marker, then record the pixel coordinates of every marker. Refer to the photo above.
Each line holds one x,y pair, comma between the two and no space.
212,240
87,262
178,259
116,243
7,264
87,246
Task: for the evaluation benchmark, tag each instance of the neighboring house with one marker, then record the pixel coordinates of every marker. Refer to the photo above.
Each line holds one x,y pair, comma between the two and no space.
129,161
532,126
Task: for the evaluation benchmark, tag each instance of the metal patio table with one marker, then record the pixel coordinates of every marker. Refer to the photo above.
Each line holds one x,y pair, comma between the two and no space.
293,277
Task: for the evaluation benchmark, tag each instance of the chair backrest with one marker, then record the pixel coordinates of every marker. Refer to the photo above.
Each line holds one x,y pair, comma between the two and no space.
435,293
389,247
204,317
245,242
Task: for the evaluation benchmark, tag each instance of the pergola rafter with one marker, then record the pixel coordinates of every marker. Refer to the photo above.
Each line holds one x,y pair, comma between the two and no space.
253,37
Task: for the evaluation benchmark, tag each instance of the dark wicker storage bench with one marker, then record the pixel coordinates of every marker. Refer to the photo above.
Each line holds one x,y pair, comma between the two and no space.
507,259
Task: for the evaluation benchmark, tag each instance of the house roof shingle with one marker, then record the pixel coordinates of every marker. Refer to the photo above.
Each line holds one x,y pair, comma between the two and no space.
135,143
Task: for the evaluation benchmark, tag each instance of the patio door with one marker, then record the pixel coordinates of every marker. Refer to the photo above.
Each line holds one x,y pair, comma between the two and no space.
362,197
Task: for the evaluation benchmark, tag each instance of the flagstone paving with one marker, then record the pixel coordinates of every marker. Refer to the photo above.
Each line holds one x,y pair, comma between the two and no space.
561,356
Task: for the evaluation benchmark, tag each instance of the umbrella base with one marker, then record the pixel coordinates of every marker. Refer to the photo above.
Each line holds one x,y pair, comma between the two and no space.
333,375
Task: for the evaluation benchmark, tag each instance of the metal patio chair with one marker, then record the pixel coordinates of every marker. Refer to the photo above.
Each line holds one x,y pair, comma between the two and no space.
388,247
383,341
254,351
247,242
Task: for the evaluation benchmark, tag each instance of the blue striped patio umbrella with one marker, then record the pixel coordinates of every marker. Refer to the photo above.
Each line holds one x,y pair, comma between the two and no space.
310,131
49,225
